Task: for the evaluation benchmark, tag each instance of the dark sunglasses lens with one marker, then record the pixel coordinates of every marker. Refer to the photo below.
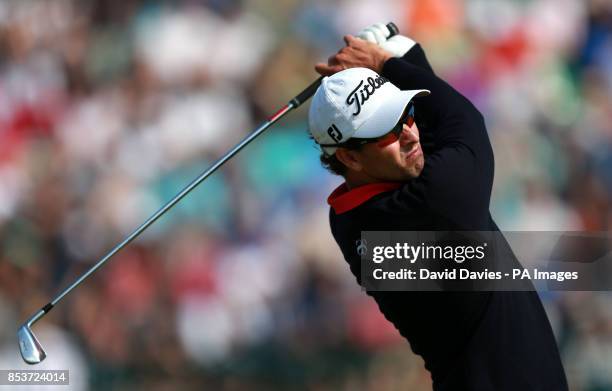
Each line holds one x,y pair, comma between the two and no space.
389,138
409,116
410,121
394,135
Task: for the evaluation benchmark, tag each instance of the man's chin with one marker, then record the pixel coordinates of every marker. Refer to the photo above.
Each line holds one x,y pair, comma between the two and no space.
415,168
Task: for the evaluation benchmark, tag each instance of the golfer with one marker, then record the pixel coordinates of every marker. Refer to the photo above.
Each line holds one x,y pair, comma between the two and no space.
415,156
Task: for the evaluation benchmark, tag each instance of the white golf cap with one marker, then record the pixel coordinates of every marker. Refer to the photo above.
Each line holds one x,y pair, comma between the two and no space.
356,102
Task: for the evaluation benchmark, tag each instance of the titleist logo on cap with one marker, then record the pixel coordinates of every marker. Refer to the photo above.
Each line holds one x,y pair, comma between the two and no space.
359,97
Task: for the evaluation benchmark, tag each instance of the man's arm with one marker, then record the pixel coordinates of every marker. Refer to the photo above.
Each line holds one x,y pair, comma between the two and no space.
458,174
416,56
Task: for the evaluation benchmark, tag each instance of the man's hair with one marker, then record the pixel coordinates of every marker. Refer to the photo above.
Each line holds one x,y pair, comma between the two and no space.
332,164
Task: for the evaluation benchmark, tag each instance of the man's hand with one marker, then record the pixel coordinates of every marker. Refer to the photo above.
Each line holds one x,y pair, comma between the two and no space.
356,53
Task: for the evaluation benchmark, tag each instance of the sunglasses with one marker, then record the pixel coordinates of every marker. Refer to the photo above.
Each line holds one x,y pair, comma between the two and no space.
386,139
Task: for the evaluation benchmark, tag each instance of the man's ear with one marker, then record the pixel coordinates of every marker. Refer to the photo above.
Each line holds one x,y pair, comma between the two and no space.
349,158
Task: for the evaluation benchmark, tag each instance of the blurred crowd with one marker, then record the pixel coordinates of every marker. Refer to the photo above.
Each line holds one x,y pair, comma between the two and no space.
108,108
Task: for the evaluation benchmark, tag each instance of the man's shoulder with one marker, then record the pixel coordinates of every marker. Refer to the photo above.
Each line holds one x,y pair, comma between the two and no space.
386,211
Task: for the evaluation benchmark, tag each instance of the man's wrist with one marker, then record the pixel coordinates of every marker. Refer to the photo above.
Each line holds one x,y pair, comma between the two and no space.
384,57
386,65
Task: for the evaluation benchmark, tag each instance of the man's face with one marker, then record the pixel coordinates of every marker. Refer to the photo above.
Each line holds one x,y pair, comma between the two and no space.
398,161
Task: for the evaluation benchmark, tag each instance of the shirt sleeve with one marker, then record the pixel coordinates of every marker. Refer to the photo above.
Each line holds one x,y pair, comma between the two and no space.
416,56
458,174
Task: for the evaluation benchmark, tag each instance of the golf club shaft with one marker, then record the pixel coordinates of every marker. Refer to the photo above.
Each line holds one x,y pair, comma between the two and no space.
303,96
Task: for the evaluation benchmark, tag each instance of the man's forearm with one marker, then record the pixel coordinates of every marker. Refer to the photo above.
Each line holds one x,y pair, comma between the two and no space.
442,113
416,56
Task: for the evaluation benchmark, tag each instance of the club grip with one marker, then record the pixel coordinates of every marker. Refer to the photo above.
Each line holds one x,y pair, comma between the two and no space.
306,93
312,88
393,30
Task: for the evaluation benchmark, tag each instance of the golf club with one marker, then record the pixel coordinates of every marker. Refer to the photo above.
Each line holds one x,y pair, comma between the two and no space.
31,350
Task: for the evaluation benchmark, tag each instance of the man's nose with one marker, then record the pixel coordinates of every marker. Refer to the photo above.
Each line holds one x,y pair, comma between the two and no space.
408,135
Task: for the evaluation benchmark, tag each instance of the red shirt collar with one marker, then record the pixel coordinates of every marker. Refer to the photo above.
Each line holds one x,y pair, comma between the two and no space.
342,199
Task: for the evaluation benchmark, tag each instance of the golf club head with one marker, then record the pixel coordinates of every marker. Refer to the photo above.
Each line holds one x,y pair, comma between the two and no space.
31,351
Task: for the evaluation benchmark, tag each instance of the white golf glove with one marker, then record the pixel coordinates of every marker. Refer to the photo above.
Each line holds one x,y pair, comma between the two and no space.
398,45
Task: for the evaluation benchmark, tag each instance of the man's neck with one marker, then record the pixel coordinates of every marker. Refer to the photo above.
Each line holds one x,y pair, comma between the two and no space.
354,180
